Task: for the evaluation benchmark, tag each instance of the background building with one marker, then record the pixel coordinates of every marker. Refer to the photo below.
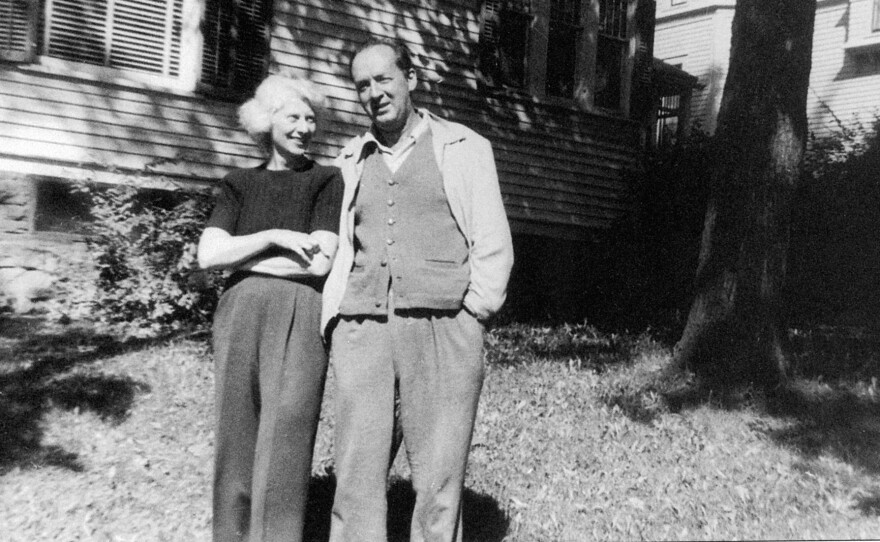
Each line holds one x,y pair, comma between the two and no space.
146,91
695,35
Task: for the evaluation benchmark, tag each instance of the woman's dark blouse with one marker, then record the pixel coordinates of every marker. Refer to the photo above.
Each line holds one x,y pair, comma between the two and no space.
305,200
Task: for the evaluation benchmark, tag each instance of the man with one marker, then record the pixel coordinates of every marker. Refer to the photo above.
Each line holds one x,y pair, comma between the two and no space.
425,255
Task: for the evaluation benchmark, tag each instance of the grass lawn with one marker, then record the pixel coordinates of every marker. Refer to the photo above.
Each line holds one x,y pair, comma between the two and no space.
579,437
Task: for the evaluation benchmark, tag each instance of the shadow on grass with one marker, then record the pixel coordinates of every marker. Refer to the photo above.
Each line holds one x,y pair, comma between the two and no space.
869,505
40,370
827,398
836,422
833,421
484,521
578,345
832,399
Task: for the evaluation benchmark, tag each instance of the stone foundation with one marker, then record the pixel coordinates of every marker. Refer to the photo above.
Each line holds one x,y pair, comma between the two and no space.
32,264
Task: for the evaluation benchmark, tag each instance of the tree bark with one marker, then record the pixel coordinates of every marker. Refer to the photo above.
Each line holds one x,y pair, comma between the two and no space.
734,331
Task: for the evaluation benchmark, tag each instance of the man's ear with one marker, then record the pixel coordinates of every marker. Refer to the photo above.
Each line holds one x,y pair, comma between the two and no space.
411,79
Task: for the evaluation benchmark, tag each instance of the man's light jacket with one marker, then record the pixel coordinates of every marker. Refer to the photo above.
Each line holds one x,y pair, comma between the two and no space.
470,181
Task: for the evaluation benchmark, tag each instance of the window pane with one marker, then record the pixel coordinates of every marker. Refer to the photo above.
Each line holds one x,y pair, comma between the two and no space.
668,117
504,43
609,66
561,59
562,47
60,209
236,43
612,18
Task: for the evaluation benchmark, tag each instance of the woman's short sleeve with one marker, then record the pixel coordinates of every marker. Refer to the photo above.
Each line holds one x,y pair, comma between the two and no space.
328,204
227,208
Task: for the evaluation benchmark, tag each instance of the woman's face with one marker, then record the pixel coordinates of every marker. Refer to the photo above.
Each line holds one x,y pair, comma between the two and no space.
293,126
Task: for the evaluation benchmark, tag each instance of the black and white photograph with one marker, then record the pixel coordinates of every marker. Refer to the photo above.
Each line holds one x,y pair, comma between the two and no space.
439,270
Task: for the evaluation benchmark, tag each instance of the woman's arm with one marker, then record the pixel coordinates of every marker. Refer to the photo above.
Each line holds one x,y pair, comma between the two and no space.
319,263
218,249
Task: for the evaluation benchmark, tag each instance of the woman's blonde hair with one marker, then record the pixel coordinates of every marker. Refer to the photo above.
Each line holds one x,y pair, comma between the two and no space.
255,115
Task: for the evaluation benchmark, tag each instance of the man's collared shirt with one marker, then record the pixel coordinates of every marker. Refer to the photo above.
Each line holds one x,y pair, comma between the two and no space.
395,157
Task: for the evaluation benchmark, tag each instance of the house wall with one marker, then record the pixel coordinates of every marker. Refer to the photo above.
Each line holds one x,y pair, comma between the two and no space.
844,83
57,126
696,35
845,72
562,170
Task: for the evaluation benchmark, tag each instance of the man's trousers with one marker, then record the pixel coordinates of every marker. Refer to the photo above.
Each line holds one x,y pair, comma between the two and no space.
435,359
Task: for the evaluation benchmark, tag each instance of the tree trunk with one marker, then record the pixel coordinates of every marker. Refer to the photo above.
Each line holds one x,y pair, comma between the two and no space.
734,330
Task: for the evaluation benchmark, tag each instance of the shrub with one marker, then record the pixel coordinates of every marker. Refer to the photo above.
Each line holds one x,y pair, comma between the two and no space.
143,244
834,257
649,257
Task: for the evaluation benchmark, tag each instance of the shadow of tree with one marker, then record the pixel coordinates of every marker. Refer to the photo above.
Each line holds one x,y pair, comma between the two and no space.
831,399
484,520
42,369
836,422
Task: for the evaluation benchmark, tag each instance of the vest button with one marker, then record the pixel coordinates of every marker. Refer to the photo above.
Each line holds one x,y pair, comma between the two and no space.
390,221
390,202
389,241
390,182
378,304
384,262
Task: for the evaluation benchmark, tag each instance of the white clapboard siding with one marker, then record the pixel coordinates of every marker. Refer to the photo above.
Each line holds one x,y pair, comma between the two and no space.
564,172
54,118
698,40
841,91
844,90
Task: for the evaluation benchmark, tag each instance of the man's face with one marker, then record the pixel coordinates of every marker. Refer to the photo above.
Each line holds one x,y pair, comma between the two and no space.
383,88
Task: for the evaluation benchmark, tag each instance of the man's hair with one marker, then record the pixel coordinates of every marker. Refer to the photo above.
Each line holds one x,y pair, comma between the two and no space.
402,55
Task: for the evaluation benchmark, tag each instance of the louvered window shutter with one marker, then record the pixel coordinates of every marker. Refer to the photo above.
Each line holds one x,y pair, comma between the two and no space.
135,35
18,24
236,36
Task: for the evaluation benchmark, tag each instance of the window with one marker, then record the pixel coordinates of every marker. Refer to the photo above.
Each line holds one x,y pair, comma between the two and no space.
669,112
228,52
236,36
503,47
576,50
566,33
58,208
612,45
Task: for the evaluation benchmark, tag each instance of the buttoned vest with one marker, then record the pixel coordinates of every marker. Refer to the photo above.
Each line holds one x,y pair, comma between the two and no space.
405,238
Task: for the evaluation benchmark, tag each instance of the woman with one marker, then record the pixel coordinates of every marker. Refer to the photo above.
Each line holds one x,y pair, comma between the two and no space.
276,226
